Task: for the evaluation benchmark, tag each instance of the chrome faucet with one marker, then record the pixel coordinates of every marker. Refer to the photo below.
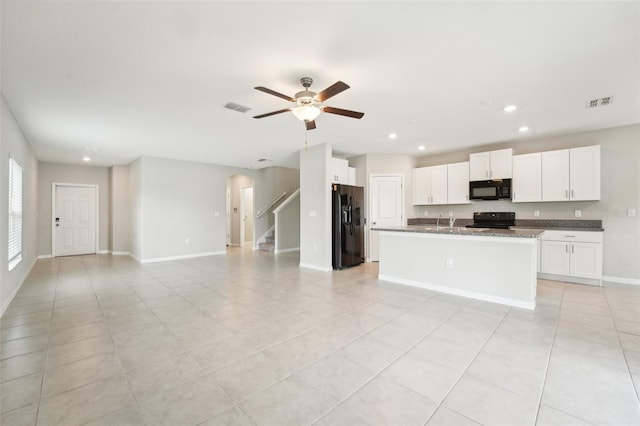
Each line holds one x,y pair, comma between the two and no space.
452,221
438,223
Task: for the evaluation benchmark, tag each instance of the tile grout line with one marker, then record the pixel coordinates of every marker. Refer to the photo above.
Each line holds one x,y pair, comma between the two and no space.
553,340
624,355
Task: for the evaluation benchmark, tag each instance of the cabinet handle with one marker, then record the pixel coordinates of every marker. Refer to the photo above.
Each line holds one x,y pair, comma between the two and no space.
573,248
490,173
566,248
572,194
514,195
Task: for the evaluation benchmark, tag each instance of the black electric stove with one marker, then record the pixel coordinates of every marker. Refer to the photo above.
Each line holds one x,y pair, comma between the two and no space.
496,220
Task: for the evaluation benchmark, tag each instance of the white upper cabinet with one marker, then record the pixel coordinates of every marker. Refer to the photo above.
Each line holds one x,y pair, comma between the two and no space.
352,176
571,174
584,173
430,185
458,183
527,178
555,175
491,165
339,171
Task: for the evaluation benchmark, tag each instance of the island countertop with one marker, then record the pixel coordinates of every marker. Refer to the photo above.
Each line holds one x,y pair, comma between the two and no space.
459,230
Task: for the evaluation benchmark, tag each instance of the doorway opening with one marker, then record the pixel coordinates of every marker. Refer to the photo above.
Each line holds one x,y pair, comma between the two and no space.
240,211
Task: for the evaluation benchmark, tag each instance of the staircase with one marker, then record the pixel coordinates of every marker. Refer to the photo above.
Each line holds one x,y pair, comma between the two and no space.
269,244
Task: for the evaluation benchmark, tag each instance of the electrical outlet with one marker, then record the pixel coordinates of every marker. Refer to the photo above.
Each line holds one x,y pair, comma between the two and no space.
449,263
187,240
426,213
536,213
216,214
578,213
313,213
631,212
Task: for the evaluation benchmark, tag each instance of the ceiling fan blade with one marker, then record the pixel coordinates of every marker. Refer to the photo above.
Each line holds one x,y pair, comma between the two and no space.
310,124
271,92
345,112
272,113
332,91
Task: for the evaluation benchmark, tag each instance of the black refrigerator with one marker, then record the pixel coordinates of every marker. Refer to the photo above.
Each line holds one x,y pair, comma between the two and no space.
347,225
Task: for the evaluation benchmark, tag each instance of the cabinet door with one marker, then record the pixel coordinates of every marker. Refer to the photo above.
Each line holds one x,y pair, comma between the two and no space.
458,183
527,178
479,164
586,260
555,257
555,175
584,173
340,171
500,164
421,186
438,184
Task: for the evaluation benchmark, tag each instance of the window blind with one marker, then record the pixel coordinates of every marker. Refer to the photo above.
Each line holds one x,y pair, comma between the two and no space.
15,213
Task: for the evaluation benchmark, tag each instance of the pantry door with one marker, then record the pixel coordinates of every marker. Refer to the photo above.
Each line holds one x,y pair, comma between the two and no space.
75,221
386,201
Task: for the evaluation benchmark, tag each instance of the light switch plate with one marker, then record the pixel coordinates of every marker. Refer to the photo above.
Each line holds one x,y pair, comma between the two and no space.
578,213
631,212
536,213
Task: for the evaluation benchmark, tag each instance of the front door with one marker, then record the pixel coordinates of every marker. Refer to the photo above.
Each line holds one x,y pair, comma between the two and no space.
385,207
74,220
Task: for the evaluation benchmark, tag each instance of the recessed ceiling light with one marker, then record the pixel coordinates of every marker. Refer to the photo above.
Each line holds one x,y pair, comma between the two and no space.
86,159
422,147
392,136
510,108
523,129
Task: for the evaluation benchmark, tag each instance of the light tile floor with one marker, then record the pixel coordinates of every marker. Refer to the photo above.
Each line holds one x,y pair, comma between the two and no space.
251,339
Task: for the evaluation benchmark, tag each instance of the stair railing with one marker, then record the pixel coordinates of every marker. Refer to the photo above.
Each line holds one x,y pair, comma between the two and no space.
273,203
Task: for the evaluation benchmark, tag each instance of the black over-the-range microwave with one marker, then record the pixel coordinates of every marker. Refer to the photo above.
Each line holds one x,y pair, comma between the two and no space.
490,189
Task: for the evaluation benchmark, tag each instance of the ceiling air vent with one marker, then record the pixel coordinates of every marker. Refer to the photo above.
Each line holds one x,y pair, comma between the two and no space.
236,107
599,102
262,160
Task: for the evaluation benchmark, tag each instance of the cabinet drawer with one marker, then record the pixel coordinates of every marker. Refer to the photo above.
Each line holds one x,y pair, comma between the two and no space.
582,236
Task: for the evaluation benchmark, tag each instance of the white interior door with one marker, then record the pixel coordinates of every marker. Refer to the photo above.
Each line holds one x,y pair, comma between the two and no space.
386,201
74,220
246,214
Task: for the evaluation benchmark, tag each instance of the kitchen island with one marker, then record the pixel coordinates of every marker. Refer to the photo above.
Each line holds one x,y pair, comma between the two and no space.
495,265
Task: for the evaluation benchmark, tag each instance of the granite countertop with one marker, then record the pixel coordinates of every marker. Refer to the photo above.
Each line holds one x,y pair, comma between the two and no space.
460,230
526,224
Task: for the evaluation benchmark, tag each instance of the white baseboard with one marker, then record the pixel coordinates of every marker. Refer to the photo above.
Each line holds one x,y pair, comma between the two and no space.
181,257
15,291
621,280
463,293
120,253
287,250
45,256
569,279
104,251
316,267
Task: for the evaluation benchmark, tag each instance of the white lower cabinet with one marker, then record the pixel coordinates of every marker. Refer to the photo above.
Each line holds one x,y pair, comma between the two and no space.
572,254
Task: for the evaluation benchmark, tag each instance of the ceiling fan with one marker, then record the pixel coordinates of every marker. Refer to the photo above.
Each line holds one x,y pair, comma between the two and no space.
308,105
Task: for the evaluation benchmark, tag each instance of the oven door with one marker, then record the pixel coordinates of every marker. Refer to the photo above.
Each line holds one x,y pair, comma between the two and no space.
484,190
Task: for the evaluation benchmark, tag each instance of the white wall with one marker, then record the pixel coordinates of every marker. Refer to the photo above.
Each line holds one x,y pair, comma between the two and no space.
120,210
178,200
135,212
15,145
70,173
315,208
288,227
620,186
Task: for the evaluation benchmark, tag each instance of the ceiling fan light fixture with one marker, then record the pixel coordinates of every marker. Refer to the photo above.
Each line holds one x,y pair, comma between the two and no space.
306,112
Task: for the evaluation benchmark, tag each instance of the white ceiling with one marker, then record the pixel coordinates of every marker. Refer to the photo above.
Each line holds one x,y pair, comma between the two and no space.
125,79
